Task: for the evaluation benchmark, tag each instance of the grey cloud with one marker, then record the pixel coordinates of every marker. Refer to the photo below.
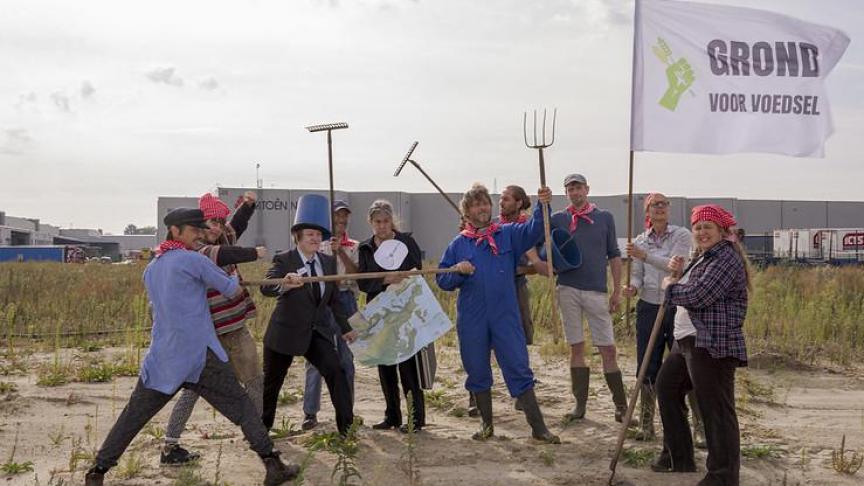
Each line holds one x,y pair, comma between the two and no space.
14,141
165,75
210,84
61,101
87,89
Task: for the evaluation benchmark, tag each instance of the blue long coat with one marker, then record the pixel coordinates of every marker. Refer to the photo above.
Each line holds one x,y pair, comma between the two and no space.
487,308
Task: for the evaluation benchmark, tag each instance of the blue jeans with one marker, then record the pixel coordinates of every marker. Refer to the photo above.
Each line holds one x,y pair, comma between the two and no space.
312,391
646,313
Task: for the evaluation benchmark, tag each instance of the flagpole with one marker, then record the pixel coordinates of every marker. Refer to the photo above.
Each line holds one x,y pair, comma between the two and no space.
641,374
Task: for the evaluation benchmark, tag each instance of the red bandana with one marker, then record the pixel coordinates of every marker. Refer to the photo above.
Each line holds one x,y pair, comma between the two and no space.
487,235
345,241
169,245
213,207
521,218
582,213
713,213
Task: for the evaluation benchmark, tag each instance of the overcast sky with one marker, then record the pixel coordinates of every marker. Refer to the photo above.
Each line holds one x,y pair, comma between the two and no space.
107,105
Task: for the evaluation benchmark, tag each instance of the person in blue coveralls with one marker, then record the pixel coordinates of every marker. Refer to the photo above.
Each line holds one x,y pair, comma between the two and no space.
486,255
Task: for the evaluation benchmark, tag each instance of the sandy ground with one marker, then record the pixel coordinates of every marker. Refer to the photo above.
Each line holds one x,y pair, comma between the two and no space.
800,413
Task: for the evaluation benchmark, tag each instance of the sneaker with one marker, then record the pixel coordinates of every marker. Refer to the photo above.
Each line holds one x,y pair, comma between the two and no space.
310,421
174,455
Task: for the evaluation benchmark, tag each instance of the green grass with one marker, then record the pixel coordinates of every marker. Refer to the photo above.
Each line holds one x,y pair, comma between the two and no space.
761,451
800,314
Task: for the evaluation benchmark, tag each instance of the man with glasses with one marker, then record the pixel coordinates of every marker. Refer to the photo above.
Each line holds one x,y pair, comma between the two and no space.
651,253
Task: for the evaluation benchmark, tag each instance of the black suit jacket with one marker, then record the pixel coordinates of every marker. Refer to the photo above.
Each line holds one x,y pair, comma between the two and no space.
296,315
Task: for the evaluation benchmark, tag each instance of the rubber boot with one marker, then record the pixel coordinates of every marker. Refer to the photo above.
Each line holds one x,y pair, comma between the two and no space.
535,418
698,424
484,406
277,471
615,382
646,422
95,476
579,378
472,405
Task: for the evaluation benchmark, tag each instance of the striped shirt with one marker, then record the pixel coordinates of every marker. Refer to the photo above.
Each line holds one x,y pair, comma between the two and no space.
229,314
715,297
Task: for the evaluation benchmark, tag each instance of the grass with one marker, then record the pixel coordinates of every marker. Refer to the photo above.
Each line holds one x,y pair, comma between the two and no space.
802,314
761,451
636,457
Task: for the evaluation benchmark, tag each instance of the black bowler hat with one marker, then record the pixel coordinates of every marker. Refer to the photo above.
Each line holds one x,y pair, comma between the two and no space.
185,216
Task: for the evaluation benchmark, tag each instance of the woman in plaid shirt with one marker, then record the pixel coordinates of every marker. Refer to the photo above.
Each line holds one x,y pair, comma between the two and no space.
715,297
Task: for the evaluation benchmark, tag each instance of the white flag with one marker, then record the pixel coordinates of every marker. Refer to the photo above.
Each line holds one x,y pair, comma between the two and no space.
716,79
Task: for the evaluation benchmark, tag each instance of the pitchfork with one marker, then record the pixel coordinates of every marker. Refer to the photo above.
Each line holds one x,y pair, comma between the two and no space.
539,145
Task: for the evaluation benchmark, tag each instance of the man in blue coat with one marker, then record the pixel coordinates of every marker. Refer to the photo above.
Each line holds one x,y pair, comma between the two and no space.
486,255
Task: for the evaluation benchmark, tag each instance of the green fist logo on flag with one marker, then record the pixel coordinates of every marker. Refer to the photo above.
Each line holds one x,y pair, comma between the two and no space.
679,75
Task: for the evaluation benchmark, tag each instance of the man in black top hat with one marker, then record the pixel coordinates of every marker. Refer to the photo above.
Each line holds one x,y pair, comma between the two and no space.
299,325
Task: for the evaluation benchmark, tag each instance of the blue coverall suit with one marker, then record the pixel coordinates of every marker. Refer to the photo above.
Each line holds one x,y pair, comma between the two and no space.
487,308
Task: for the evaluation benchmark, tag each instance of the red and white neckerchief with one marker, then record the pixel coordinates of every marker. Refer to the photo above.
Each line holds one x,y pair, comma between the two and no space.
345,241
486,235
521,218
581,213
169,245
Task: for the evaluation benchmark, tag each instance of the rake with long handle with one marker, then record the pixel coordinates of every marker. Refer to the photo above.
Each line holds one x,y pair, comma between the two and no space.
408,159
329,127
539,145
640,377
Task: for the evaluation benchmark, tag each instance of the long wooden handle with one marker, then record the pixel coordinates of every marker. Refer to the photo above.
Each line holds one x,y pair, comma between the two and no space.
350,276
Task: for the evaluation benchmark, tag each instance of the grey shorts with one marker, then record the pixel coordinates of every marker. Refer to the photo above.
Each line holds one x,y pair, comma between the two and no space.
574,304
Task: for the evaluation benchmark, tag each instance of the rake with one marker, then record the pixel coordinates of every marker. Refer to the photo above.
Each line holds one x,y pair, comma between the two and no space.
408,159
329,127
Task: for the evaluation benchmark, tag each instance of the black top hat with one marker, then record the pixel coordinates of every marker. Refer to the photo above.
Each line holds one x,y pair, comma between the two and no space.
185,216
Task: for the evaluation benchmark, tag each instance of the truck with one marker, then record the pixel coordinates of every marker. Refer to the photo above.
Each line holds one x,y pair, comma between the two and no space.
829,245
49,253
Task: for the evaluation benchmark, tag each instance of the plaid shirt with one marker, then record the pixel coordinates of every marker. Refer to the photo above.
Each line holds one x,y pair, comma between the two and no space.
715,296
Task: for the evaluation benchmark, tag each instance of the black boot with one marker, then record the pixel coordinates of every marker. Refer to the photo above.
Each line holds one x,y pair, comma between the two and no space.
484,406
535,418
646,422
579,378
95,476
616,385
277,471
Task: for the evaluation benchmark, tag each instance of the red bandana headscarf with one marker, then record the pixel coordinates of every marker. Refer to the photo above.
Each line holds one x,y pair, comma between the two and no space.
582,213
169,245
486,235
213,207
714,214
520,218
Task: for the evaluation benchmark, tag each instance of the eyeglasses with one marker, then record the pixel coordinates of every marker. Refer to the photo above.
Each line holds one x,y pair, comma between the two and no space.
659,204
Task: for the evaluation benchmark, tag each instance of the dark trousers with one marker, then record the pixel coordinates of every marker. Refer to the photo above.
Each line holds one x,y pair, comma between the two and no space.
713,381
410,377
324,357
646,313
217,385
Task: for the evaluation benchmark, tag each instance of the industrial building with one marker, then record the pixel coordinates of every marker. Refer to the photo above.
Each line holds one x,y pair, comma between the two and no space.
31,232
434,222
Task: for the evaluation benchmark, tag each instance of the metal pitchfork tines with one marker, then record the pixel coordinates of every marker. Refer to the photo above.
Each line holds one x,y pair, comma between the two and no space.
407,159
539,145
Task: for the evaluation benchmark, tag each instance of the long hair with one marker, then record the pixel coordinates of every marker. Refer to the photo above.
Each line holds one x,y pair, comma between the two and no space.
739,249
520,194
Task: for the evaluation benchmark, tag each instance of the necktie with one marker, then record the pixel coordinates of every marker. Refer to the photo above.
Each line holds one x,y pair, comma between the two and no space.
316,287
